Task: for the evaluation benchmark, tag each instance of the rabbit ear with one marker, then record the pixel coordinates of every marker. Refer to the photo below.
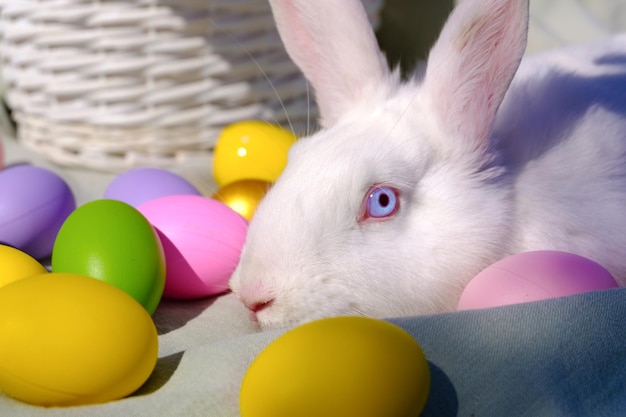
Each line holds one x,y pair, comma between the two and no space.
334,45
472,64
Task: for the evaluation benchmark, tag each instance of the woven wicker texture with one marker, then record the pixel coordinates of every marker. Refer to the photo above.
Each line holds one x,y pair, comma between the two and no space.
112,85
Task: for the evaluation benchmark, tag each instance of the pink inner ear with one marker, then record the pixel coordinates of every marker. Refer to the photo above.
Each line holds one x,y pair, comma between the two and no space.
473,62
305,49
334,45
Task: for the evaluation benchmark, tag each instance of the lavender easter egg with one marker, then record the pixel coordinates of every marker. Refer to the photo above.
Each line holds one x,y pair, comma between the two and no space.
34,203
139,185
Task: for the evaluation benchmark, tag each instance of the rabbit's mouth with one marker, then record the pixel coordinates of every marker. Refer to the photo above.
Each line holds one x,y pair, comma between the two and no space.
255,308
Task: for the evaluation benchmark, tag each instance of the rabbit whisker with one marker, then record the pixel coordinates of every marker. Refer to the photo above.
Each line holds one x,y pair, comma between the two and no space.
263,73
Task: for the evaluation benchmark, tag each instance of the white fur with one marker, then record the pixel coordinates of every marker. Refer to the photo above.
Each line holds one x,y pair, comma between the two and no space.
485,167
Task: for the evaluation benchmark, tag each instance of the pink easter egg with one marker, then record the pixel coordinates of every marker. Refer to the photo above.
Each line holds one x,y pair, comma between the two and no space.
202,240
534,276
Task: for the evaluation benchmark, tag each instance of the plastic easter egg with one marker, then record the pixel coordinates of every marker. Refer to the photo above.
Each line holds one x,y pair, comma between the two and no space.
337,367
243,196
534,276
15,265
111,241
202,240
251,150
139,185
34,203
71,340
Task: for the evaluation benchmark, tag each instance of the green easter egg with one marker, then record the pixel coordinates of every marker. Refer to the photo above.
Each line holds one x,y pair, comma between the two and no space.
111,241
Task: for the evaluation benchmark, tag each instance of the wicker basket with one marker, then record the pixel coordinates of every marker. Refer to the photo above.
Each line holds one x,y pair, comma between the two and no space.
111,85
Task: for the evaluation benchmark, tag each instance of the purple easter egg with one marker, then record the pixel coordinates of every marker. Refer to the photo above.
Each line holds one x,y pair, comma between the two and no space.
34,203
140,185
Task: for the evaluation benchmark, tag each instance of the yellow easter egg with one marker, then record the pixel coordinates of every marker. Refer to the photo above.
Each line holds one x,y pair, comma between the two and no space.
243,196
337,367
15,264
251,150
69,339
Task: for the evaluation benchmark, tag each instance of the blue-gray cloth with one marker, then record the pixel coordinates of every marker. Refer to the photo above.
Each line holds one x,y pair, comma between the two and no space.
562,357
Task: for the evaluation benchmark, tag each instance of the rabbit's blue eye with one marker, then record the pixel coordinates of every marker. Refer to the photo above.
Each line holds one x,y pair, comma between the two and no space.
381,202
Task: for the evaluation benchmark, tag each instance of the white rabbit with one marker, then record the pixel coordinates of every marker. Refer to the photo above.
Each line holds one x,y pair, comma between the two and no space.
412,188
